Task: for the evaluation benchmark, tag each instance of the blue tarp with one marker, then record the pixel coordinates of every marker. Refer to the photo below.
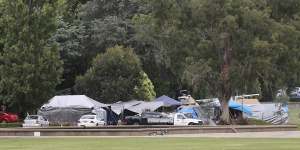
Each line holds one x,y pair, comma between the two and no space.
237,106
191,112
167,101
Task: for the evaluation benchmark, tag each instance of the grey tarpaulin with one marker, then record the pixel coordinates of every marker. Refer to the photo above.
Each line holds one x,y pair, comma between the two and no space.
168,102
146,106
120,106
274,113
73,101
68,109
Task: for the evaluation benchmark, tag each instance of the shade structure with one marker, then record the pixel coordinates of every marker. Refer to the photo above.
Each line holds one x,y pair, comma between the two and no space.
146,106
73,101
167,101
67,109
118,107
237,106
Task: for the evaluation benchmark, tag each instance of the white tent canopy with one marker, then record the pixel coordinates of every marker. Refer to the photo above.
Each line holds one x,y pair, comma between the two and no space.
80,101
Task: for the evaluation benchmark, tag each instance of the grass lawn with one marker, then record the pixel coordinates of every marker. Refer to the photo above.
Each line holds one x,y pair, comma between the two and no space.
148,144
294,117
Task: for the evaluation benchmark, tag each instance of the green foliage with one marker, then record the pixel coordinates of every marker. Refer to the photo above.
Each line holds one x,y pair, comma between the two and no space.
96,26
226,47
114,76
70,38
210,47
145,89
193,35
30,67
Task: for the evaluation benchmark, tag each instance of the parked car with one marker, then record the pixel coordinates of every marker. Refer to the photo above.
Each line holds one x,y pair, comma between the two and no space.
8,117
35,121
155,118
90,121
295,94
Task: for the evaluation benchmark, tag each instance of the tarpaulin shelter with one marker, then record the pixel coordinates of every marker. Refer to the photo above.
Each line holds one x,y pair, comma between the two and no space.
119,110
68,109
145,106
274,113
237,106
120,106
167,101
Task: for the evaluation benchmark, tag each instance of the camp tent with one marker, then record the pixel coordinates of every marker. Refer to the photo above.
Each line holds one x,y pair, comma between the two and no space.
78,101
68,109
167,101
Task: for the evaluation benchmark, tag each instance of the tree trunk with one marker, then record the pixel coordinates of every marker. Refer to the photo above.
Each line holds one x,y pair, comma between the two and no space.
225,117
226,90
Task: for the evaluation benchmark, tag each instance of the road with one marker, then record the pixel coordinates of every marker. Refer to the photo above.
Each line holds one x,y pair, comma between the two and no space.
281,134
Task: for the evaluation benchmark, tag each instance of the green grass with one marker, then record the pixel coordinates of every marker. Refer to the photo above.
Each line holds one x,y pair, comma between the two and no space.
148,144
257,122
294,117
10,125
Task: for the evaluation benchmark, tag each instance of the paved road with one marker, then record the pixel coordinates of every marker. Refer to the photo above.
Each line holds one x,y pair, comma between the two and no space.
282,134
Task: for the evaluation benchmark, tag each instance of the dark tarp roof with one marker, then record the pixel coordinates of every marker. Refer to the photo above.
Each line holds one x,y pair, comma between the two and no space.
167,101
144,106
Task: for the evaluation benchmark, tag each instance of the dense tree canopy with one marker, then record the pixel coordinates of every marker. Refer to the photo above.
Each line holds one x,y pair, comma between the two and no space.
116,76
30,66
214,48
226,47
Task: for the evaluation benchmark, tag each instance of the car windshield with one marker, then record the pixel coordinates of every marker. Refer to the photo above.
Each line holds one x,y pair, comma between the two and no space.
188,115
88,117
32,117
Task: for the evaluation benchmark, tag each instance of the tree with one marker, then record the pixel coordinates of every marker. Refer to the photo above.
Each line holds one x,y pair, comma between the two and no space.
224,47
115,75
96,26
144,89
70,38
30,66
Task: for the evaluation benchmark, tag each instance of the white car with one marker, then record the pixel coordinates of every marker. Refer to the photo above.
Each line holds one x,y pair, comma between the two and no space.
35,121
90,121
181,119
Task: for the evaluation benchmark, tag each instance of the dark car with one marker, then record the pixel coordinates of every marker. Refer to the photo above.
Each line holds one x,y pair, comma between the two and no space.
148,118
8,117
